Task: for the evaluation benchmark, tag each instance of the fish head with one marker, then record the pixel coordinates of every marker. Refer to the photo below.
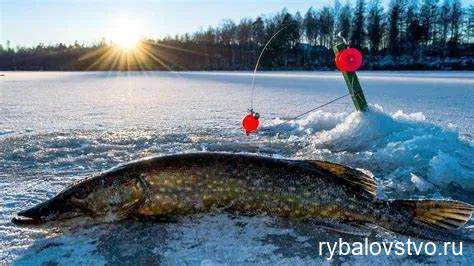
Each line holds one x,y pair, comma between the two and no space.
112,197
56,208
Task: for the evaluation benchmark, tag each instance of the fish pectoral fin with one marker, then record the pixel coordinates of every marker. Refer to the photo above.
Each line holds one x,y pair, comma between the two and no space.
130,208
132,205
81,204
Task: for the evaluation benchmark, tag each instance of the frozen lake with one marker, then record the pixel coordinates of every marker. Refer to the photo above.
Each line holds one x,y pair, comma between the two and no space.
59,127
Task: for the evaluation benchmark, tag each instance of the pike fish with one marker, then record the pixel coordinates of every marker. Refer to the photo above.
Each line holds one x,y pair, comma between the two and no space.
248,185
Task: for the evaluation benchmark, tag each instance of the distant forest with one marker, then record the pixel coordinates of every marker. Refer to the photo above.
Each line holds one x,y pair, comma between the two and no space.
408,34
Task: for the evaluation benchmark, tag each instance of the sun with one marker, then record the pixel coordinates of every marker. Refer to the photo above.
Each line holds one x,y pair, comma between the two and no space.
128,41
126,34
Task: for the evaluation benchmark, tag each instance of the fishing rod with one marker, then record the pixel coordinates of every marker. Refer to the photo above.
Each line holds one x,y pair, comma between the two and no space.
252,95
251,122
347,60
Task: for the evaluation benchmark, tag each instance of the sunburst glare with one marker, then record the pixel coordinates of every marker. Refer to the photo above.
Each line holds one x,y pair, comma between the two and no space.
128,48
126,34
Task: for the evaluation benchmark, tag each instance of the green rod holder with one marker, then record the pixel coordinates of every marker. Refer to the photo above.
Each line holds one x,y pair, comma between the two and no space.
352,82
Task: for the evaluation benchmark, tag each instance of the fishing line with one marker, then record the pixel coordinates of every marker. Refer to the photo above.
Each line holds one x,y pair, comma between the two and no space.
252,95
320,106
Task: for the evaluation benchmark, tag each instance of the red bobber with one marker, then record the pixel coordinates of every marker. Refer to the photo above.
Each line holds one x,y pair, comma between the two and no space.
250,123
349,60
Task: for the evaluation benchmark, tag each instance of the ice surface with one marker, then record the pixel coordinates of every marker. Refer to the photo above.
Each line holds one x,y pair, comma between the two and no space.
60,127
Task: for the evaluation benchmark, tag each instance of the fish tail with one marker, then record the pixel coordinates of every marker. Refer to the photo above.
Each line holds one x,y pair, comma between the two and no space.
431,219
439,214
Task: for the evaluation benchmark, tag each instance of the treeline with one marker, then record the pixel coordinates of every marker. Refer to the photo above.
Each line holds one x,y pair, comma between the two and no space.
409,34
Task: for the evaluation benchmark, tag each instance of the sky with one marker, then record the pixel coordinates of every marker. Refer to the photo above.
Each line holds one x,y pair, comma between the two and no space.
29,22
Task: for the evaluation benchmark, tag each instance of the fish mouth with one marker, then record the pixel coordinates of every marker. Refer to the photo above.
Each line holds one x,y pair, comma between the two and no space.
22,220
29,216
50,210
34,215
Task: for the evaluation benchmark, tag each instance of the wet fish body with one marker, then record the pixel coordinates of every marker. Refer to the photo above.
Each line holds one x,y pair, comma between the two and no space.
244,184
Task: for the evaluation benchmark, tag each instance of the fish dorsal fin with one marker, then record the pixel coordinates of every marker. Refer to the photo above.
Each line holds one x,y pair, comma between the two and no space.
355,179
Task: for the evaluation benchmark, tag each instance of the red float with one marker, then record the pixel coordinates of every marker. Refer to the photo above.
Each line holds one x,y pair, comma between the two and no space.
250,123
349,60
